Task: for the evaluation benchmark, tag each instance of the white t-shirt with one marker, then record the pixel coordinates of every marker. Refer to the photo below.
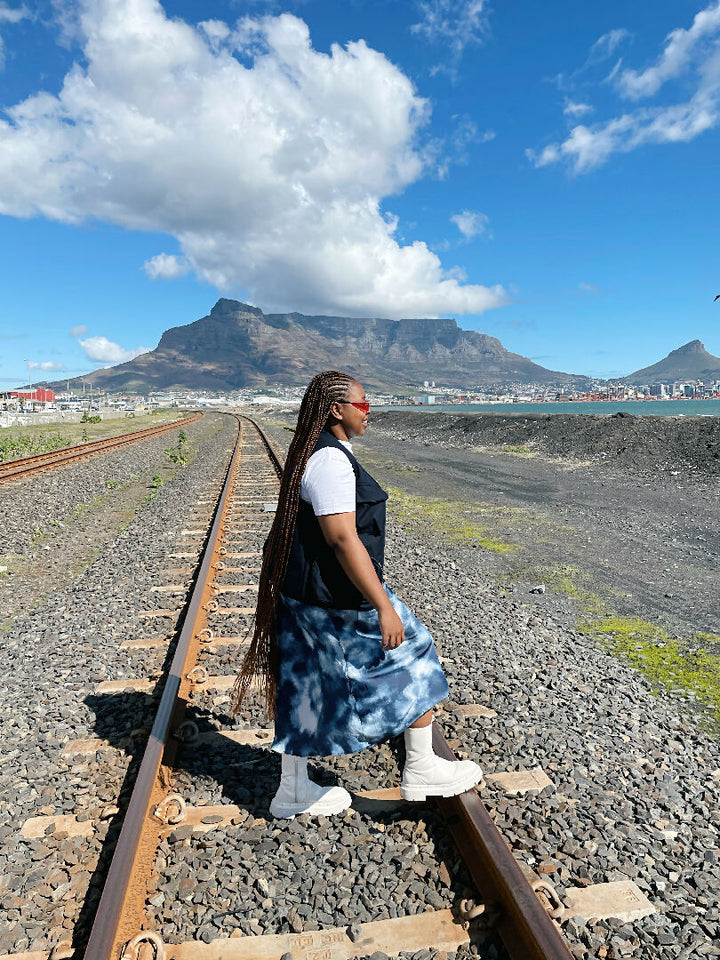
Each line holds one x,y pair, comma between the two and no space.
329,481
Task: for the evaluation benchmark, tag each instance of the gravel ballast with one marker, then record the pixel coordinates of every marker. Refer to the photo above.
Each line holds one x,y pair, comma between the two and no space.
634,779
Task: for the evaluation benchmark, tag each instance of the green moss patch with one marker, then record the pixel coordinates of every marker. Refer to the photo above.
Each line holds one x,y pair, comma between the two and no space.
518,449
453,520
669,663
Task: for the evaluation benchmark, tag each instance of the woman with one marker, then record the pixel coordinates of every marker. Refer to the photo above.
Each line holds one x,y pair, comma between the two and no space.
344,664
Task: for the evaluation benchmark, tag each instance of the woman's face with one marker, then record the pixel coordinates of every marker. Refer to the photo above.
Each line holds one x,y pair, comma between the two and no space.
352,421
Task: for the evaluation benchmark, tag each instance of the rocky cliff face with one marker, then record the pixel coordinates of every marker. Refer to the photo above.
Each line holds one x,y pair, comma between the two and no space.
689,362
239,346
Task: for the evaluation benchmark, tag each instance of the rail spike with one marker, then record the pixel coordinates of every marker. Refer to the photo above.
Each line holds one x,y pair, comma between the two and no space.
146,945
163,810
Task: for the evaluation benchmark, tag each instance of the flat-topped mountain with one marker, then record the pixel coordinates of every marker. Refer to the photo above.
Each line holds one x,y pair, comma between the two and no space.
238,345
689,362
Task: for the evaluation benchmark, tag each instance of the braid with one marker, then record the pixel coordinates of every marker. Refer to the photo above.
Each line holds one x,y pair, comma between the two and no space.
261,660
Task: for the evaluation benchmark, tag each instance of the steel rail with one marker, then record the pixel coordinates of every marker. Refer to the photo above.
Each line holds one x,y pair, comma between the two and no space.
106,938
52,458
527,930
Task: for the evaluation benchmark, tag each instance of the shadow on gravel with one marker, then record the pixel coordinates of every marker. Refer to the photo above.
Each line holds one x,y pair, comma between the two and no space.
216,770
124,722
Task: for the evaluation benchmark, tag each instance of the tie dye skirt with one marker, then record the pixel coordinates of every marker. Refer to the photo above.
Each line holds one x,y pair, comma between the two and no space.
338,690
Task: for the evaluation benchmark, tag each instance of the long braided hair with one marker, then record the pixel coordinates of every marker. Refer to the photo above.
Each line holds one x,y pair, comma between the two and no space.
261,661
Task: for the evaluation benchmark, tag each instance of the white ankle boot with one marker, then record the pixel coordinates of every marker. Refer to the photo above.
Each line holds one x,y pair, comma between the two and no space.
427,775
298,794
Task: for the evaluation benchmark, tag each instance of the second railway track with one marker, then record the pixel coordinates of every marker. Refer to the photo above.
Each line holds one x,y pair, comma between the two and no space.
25,466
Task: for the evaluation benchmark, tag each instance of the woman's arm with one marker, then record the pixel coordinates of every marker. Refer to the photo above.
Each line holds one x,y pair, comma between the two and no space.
341,534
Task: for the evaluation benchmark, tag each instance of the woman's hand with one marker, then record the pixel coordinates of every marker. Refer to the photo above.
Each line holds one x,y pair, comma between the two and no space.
391,627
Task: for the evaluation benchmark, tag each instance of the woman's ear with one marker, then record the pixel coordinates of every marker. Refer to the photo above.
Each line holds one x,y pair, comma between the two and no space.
336,411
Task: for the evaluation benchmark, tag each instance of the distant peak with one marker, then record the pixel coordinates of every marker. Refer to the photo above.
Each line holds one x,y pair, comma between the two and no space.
225,306
694,346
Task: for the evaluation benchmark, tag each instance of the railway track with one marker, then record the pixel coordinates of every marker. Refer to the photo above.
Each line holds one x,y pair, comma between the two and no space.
190,724
24,466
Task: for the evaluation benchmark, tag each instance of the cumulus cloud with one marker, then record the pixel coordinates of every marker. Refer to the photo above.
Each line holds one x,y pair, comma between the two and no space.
267,160
694,55
455,23
166,266
105,351
79,330
9,15
471,223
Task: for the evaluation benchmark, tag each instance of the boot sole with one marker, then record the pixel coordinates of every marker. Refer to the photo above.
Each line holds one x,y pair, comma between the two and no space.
416,793
288,811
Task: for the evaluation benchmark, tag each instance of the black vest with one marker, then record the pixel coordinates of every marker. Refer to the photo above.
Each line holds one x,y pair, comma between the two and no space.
314,574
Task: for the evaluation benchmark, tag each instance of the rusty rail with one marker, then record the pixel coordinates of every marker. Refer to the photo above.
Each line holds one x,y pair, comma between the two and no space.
106,936
53,458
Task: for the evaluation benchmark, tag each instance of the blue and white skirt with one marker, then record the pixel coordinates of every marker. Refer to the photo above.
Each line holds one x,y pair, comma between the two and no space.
338,690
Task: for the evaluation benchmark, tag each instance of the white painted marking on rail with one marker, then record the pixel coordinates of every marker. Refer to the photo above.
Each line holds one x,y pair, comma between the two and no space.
520,781
621,899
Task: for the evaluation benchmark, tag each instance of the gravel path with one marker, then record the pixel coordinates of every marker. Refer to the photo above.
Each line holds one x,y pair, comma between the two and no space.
53,657
633,793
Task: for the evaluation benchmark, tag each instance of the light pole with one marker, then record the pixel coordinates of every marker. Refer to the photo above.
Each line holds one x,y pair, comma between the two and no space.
29,382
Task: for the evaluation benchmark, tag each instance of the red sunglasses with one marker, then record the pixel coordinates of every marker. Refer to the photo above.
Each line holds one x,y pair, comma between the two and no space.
363,406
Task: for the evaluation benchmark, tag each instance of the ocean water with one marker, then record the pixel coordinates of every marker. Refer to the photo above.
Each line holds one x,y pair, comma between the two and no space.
641,408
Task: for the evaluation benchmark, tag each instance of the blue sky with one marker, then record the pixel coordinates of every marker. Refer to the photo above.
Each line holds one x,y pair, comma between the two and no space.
544,172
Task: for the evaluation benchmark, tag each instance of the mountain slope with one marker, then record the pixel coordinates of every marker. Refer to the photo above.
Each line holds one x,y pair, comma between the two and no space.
238,345
689,362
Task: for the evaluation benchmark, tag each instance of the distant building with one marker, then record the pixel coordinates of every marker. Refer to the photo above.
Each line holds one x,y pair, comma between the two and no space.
658,390
424,399
41,395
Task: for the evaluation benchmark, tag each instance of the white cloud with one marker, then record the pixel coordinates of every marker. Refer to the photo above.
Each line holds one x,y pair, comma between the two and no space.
79,330
166,266
267,160
589,288
606,45
46,365
9,15
573,109
105,351
590,146
456,23
471,223
682,47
